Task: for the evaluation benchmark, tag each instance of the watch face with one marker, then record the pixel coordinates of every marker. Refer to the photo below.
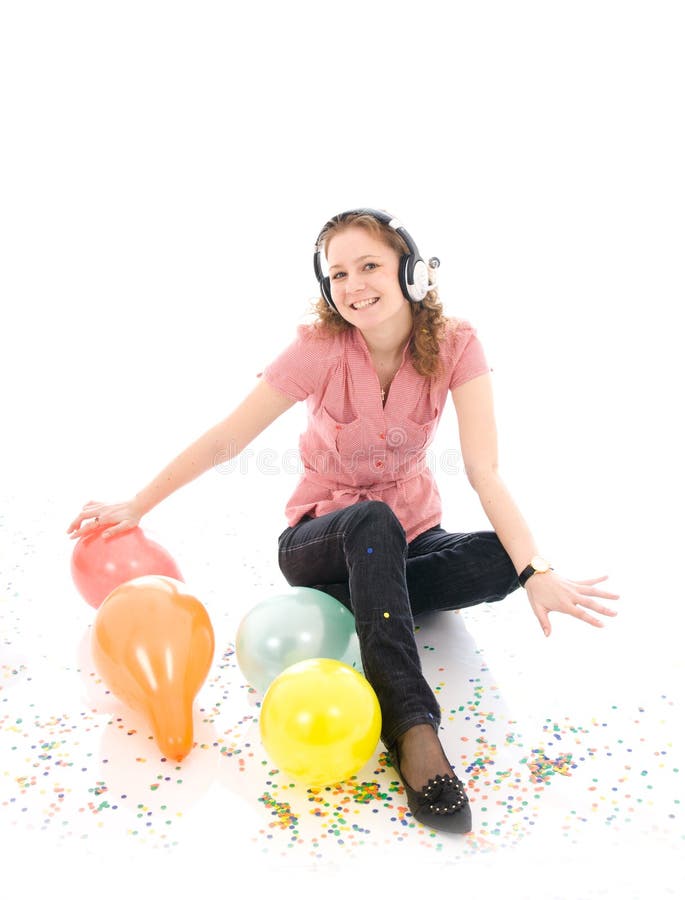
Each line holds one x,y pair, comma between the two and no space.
540,564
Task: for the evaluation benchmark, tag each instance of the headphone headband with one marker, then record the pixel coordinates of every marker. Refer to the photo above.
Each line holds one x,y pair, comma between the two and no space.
413,273
380,216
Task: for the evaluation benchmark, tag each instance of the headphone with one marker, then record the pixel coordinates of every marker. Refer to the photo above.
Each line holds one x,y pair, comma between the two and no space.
413,272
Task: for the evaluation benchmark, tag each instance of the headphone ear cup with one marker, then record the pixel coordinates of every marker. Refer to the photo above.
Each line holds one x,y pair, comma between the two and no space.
325,285
419,287
404,275
413,278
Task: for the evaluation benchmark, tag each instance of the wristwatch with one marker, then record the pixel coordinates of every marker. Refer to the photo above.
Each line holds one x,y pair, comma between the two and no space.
537,565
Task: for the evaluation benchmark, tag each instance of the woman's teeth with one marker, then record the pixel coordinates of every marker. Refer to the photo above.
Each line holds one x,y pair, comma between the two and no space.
362,304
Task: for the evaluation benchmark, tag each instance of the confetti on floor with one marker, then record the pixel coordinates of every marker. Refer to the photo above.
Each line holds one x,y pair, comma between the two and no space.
80,769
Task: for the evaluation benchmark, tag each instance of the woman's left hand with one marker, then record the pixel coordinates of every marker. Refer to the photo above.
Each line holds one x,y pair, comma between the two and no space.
549,592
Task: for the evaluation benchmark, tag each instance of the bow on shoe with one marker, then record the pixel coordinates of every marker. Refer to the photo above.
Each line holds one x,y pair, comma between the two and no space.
443,795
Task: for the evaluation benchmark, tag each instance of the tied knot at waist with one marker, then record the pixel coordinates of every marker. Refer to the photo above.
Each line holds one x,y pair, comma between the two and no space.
353,493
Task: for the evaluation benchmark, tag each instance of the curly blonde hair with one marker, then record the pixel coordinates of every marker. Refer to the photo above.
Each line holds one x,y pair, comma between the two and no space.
429,319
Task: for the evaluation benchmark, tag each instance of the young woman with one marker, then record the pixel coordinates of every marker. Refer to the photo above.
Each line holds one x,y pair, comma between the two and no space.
364,523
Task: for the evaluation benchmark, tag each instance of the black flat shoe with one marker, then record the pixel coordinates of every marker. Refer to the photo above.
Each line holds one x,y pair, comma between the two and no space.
441,804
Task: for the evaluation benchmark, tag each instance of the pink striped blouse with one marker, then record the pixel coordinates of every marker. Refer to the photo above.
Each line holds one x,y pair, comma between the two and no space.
355,448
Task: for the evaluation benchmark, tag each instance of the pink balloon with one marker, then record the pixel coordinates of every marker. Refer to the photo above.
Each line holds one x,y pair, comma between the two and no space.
98,564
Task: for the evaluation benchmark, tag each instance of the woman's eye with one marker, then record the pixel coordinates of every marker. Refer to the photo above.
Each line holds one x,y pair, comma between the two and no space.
371,265
337,275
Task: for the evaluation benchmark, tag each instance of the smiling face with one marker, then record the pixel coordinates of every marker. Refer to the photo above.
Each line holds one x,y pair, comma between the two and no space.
364,279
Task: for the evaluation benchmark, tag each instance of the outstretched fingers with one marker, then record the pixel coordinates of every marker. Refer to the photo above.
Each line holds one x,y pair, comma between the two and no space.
588,603
580,613
108,519
89,511
578,598
590,590
127,525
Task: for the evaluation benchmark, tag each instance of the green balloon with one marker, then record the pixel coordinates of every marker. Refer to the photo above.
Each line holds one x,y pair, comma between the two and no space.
300,623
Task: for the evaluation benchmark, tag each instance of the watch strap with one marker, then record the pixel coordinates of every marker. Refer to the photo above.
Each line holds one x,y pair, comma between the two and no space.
525,575
531,570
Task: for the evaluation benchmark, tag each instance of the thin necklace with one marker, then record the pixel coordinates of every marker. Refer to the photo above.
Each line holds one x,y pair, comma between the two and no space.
383,391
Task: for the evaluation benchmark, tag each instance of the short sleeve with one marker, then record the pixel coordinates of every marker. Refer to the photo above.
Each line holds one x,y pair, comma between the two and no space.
466,355
296,370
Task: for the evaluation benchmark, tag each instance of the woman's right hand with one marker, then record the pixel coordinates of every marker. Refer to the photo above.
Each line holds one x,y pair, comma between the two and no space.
114,517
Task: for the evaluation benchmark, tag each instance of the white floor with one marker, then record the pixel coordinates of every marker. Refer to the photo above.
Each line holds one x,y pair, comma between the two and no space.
571,749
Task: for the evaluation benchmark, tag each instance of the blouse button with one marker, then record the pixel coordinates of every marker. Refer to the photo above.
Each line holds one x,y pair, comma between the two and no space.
379,464
382,436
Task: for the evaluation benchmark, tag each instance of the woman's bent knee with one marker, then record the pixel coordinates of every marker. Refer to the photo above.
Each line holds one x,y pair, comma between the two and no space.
377,514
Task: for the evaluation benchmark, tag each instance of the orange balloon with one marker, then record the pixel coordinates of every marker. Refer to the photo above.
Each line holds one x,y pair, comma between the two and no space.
153,644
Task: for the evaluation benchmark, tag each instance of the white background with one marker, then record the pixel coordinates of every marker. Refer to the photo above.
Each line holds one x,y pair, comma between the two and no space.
165,168
165,171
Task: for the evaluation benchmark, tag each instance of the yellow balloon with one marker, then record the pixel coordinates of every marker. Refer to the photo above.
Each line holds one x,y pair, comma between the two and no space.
320,721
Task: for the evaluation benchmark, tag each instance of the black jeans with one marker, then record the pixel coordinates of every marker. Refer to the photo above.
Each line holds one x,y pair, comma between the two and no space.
360,556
